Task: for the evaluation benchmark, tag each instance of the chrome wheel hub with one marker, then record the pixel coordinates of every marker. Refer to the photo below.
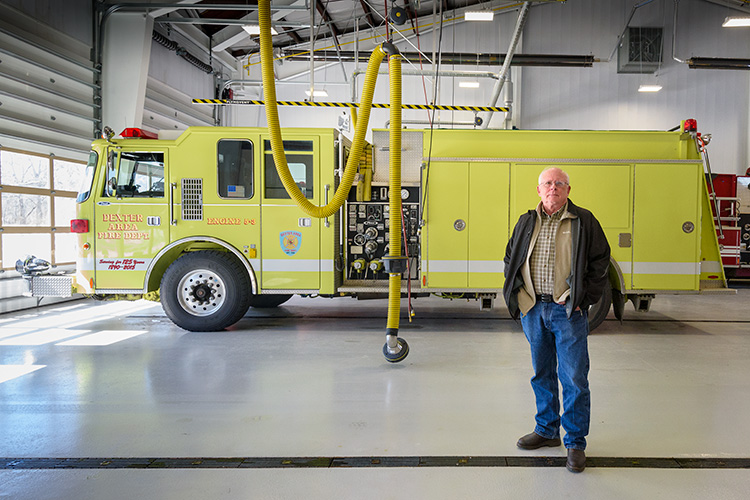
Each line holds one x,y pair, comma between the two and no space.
201,292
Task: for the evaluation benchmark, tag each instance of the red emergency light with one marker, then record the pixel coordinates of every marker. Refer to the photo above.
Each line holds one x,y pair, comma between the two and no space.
79,226
137,133
691,125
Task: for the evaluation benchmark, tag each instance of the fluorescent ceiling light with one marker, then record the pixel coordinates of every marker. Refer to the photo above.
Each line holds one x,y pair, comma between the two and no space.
317,93
736,21
479,15
649,88
254,29
468,84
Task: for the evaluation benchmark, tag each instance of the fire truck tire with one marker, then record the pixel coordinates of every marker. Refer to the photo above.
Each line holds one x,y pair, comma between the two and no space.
268,301
205,291
598,312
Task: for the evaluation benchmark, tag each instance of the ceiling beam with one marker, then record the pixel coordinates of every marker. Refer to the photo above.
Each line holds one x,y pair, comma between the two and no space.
368,13
328,20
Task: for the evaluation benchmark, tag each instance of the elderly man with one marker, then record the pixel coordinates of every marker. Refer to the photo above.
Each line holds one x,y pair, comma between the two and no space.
556,266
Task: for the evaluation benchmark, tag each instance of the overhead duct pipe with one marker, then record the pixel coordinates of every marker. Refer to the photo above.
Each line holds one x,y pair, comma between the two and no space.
705,62
520,22
466,58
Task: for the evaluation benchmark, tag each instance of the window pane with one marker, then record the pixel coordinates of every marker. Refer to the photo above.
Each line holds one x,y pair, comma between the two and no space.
18,246
68,175
235,168
140,174
65,247
17,169
87,178
301,168
25,210
65,209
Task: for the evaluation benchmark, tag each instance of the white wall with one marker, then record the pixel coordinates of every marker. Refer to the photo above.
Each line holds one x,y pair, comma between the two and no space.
174,71
600,98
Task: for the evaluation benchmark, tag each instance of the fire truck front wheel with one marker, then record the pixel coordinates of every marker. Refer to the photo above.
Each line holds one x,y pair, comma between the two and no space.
205,291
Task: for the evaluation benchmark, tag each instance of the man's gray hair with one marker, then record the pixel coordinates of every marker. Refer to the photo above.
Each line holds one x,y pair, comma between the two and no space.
567,177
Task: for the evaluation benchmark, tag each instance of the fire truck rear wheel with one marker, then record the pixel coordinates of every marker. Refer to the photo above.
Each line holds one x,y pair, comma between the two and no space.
598,312
268,301
205,291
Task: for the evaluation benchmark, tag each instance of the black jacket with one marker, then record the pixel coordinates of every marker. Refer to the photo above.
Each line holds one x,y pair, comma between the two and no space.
589,269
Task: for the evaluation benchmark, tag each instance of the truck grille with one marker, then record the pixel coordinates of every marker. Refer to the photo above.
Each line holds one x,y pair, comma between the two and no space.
192,199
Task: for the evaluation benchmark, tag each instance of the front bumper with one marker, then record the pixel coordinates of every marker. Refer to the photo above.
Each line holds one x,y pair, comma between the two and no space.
49,285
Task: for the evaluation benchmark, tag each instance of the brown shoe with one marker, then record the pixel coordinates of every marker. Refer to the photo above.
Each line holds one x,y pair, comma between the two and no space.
533,441
576,460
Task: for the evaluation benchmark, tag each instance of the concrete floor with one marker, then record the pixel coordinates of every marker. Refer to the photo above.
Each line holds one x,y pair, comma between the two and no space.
118,380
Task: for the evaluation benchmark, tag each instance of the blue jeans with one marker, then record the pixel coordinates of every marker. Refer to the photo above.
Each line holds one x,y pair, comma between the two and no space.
559,347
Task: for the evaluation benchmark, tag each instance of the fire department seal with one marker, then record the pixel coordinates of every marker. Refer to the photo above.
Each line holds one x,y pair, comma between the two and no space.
290,242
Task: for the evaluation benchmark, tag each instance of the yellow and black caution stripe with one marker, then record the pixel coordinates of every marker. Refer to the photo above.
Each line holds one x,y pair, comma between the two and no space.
440,107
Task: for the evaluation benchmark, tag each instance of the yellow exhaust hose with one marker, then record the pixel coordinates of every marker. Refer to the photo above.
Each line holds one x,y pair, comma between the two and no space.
395,348
394,182
272,117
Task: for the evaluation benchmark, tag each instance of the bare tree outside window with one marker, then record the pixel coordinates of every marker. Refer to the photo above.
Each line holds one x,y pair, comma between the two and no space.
37,202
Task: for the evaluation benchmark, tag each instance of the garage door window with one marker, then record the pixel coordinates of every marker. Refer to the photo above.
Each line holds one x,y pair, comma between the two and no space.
37,201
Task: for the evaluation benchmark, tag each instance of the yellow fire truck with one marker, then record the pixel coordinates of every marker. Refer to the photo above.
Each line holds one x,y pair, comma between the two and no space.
202,222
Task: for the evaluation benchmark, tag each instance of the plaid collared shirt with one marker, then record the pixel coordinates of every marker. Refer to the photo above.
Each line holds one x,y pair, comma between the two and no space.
542,262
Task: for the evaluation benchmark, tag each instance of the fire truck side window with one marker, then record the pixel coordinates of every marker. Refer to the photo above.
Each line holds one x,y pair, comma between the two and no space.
299,157
138,175
235,168
88,178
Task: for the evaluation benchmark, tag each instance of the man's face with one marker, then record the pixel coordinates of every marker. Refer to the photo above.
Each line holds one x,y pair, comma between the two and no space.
553,190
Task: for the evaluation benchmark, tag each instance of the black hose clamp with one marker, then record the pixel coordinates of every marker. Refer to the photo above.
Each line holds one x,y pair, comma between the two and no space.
394,265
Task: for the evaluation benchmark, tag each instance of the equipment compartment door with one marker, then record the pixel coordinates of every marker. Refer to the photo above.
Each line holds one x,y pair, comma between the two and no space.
131,218
290,254
667,226
488,230
447,225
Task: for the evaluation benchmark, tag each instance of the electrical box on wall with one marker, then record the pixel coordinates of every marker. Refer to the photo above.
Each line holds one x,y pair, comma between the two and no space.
640,50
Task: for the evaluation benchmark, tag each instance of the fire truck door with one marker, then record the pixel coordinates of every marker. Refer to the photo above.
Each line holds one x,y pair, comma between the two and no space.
448,213
131,218
467,224
290,256
667,226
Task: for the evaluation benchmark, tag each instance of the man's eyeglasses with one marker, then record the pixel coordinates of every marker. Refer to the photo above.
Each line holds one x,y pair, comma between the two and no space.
557,184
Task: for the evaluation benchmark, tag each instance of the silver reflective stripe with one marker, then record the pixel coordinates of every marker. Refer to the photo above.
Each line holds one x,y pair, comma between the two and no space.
661,267
297,265
448,266
711,266
486,266
85,264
